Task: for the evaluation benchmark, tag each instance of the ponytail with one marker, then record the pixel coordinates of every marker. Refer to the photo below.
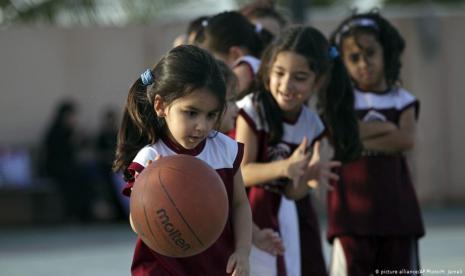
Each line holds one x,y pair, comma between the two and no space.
270,114
336,106
178,73
140,126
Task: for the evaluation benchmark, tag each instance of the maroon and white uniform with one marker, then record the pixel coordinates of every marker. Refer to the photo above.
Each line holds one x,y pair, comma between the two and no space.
295,220
373,206
224,155
252,62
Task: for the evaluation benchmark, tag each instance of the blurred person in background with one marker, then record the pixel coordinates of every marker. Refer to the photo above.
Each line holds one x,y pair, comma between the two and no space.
264,13
109,204
60,151
193,29
233,39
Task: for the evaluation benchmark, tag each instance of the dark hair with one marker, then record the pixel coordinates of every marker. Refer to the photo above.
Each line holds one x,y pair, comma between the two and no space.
229,77
181,71
228,29
261,10
387,35
195,27
335,99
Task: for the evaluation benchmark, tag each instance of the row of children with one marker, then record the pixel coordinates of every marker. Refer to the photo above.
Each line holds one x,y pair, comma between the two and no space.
250,77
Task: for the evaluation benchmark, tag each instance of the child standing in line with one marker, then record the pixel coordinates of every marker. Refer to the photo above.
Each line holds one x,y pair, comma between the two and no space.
266,15
374,216
232,38
278,129
173,109
265,239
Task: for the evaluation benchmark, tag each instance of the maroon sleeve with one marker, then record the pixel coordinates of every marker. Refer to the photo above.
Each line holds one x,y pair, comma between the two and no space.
416,106
133,168
239,156
251,72
248,120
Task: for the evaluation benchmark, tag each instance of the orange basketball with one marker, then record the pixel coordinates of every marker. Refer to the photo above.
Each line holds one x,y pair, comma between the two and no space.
179,206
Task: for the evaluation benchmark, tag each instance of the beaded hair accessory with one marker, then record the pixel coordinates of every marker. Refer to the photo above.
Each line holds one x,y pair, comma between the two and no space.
147,77
333,52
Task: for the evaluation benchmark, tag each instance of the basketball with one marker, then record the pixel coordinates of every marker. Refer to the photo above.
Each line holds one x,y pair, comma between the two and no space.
179,206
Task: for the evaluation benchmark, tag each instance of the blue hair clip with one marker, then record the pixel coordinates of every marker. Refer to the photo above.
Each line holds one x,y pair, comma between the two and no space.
333,52
356,22
147,77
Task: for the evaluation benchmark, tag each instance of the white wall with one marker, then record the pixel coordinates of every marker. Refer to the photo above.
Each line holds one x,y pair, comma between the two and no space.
39,66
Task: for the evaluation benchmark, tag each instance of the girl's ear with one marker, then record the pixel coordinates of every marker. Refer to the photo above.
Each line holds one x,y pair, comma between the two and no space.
159,106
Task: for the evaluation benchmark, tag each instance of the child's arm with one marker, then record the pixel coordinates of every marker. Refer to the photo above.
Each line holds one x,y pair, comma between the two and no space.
374,129
242,224
259,173
401,139
316,173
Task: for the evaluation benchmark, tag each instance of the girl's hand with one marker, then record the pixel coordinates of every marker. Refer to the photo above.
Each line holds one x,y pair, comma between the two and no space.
297,162
151,161
268,240
238,263
136,174
320,173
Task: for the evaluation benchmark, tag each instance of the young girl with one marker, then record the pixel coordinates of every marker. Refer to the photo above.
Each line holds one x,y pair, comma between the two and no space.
230,37
266,15
277,128
173,109
265,239
374,217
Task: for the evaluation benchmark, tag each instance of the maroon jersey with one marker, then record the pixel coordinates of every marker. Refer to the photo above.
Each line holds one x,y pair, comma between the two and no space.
225,156
266,200
375,195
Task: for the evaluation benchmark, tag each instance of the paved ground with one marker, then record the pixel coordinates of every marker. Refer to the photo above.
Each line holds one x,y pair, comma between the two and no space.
106,249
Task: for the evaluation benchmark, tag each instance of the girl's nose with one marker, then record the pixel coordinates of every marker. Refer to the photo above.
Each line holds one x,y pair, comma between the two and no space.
202,124
364,61
286,84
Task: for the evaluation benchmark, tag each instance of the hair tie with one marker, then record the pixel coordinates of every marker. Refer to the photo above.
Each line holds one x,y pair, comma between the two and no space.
333,52
147,77
204,23
258,27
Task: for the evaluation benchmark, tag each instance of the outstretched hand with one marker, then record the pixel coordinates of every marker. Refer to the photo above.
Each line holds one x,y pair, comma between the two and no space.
318,174
269,241
297,162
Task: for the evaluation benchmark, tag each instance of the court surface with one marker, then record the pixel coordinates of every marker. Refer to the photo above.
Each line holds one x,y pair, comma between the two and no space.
106,249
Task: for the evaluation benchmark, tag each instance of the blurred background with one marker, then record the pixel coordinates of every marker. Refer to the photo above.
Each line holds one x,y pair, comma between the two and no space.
66,67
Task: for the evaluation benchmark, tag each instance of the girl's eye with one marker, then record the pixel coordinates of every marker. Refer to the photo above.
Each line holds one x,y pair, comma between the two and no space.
354,58
370,53
212,115
279,73
300,78
190,113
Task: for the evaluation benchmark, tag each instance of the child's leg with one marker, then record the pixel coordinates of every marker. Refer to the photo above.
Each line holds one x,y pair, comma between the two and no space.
352,256
312,258
289,229
262,263
397,254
